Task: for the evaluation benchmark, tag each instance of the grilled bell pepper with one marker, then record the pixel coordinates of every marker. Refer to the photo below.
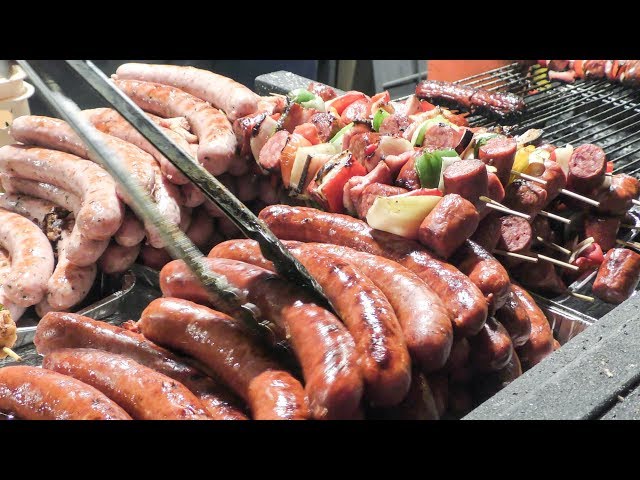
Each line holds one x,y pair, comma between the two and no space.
378,117
429,165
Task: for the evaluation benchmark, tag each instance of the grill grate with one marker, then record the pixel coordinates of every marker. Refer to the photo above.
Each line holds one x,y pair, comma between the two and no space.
587,111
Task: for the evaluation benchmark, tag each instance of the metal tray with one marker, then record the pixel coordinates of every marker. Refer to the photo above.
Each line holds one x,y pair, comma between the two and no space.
137,287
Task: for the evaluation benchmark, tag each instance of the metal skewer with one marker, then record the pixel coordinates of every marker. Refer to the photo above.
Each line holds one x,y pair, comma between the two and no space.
250,225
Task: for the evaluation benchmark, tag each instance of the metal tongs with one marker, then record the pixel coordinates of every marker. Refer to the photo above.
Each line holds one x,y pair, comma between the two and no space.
227,298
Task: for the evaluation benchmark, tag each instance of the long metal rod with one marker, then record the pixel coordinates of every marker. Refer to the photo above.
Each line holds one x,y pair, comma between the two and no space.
226,297
252,227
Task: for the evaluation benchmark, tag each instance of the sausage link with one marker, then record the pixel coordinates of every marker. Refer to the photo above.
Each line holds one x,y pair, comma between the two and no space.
463,300
323,346
540,343
217,143
31,259
514,317
32,393
491,349
419,404
101,213
485,272
56,134
223,345
142,392
67,330
15,310
234,98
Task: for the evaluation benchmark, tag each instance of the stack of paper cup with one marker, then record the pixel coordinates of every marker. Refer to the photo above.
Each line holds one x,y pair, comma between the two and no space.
14,98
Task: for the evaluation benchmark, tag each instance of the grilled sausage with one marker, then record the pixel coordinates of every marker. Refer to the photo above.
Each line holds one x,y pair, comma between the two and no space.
464,302
217,143
419,404
44,191
225,347
439,384
499,152
192,196
485,272
32,393
515,235
541,277
155,258
487,385
514,317
201,230
142,392
540,343
31,259
323,346
617,198
604,230
425,323
101,212
555,178
452,221
491,349
67,330
467,178
618,275
587,167
525,197
487,234
408,175
233,98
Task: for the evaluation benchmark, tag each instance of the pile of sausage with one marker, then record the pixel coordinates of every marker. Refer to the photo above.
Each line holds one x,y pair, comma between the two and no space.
407,337
63,216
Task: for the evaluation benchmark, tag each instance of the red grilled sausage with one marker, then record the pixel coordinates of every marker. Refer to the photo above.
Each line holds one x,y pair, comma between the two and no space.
617,198
587,167
618,275
499,152
323,346
491,349
604,230
32,393
144,393
67,330
467,178
464,302
485,272
224,346
525,197
488,232
540,343
419,404
514,317
452,221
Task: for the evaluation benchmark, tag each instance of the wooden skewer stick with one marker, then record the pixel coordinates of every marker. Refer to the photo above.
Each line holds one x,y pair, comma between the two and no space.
498,206
553,216
12,354
635,202
582,198
586,298
558,262
554,246
529,177
564,191
516,255
635,245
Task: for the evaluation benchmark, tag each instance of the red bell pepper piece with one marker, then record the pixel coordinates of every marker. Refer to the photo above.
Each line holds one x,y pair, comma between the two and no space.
343,101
